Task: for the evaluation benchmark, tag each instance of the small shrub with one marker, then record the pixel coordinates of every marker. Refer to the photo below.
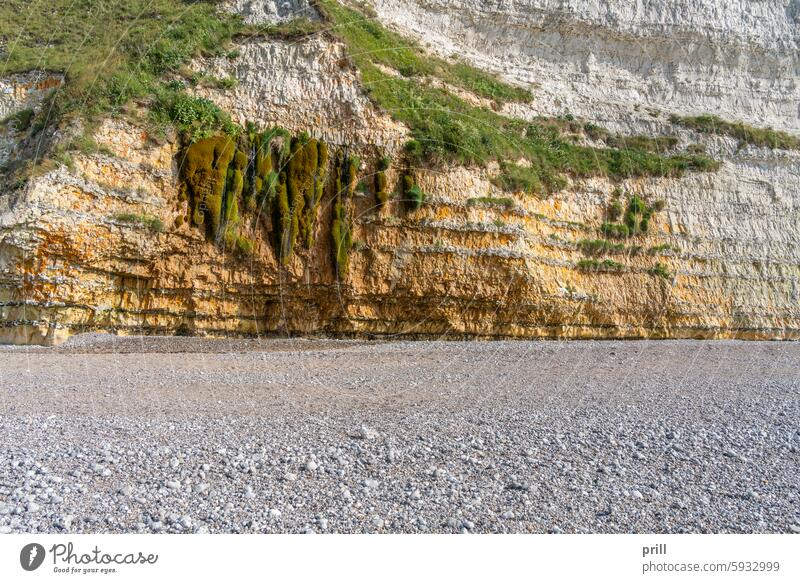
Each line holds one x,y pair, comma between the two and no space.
198,117
227,83
614,210
615,230
20,121
412,194
660,270
664,248
62,157
599,246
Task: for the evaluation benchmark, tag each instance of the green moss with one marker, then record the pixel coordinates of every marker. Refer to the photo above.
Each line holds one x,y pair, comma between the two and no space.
151,223
660,270
381,192
599,246
411,193
306,181
341,223
351,177
244,246
322,155
615,230
204,170
764,137
282,221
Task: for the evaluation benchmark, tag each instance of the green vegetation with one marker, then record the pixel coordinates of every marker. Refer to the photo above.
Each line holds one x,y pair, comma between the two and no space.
342,226
660,270
608,265
505,202
304,182
244,246
637,216
614,210
696,148
445,128
111,51
197,117
153,224
381,190
636,219
371,44
655,144
204,170
764,137
411,193
615,230
599,246
19,121
663,249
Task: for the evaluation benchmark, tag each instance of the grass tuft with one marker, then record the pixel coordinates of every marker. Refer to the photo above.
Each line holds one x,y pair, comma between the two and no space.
763,137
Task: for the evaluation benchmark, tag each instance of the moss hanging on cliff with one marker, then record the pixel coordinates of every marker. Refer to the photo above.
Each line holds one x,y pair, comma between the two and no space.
306,168
204,170
412,194
342,226
381,194
282,221
223,175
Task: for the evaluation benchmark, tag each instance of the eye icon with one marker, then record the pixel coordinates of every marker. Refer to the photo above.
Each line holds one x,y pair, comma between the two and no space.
31,556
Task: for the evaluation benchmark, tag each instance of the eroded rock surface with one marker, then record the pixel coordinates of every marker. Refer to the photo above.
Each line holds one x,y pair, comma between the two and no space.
720,260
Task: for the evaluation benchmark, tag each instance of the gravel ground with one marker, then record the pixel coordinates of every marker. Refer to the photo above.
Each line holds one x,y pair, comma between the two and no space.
107,434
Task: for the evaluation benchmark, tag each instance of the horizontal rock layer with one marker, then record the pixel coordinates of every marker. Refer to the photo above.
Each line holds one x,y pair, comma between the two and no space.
727,243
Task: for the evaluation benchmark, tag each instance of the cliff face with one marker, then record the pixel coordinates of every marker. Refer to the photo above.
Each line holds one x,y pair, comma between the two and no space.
106,245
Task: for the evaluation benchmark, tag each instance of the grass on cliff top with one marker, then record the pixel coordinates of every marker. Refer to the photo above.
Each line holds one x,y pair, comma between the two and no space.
111,51
445,128
763,137
371,43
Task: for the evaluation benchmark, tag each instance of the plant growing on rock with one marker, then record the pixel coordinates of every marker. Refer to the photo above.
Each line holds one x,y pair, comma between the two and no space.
381,192
341,226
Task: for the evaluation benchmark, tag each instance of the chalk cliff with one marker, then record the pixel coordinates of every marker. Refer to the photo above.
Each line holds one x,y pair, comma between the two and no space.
117,239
